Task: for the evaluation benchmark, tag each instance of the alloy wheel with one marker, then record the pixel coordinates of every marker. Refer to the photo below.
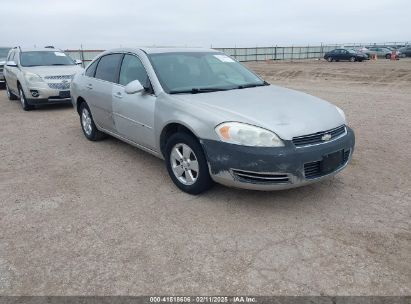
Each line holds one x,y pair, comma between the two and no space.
184,164
86,121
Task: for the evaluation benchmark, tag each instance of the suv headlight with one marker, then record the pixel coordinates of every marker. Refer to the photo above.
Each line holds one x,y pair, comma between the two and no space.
342,114
32,78
247,135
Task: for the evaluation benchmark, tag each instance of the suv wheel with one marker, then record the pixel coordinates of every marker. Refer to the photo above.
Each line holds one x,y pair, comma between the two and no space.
388,56
10,95
330,59
352,59
23,101
87,124
187,164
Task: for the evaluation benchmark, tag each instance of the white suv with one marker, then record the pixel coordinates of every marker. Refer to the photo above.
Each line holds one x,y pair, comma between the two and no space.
39,76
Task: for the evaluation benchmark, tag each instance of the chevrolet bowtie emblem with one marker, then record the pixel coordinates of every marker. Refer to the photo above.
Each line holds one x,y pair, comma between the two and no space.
326,137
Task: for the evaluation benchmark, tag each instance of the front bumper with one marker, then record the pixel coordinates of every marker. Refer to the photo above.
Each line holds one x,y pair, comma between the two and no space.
45,95
260,168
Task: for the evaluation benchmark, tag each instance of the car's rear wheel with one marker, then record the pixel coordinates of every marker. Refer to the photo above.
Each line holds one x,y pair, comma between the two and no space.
23,101
388,56
187,164
352,59
10,94
330,59
87,124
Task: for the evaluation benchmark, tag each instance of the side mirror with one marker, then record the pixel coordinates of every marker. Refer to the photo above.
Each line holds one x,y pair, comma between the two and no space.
78,62
134,87
11,64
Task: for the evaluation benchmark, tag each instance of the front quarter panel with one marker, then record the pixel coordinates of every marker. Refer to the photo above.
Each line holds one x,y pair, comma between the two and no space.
171,109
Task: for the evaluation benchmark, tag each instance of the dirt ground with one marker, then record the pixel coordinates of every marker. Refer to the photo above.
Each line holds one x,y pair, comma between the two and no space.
86,218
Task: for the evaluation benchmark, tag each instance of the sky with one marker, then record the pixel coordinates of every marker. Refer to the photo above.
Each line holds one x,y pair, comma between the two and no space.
102,24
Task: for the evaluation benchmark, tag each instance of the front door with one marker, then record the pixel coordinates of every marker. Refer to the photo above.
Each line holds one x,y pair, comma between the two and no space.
134,113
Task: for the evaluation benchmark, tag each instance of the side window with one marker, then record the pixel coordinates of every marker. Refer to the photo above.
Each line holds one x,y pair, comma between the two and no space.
107,67
133,69
91,70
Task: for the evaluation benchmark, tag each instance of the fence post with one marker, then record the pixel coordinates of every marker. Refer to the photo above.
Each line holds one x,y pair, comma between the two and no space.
82,56
275,53
292,52
256,57
321,51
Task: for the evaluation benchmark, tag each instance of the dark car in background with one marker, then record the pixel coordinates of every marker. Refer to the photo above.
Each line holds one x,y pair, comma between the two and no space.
3,56
405,51
345,55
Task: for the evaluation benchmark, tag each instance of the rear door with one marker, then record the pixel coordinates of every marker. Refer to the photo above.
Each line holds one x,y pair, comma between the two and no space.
134,113
99,90
338,55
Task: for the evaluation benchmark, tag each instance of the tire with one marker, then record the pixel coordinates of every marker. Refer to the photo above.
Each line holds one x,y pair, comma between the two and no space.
186,164
10,95
388,56
330,59
87,124
352,59
23,100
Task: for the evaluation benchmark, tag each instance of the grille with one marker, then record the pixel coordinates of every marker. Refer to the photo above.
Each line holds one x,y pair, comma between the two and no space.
60,77
59,86
313,169
260,178
316,138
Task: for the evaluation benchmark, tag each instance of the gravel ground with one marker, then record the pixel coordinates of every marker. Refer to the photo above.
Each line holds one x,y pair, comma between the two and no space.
85,218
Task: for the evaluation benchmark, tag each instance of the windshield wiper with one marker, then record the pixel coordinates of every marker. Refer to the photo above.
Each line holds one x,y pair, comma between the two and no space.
253,85
197,90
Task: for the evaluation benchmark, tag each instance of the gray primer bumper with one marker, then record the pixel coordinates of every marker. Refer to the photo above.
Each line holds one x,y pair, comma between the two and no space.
224,157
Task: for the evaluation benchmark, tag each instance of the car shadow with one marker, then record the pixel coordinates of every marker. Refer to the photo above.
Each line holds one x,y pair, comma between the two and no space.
316,193
53,107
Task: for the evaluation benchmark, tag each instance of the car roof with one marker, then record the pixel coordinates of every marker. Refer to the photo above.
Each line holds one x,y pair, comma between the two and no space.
159,50
38,49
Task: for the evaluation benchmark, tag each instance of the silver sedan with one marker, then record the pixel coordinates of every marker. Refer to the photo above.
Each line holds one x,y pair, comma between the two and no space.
211,119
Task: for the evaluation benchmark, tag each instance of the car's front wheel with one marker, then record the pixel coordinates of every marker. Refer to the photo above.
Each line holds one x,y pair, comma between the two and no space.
330,59
388,56
352,59
187,164
87,124
23,101
10,94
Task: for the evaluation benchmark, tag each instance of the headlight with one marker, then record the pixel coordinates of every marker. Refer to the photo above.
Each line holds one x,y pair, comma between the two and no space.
32,78
247,135
341,113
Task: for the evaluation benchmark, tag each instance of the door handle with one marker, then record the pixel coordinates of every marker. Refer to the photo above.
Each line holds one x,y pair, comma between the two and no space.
118,95
89,86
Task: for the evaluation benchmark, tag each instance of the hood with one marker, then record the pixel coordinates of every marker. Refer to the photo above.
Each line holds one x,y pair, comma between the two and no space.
286,112
57,70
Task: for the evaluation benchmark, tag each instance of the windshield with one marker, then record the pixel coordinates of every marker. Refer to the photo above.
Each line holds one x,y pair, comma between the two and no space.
4,52
196,72
36,58
352,51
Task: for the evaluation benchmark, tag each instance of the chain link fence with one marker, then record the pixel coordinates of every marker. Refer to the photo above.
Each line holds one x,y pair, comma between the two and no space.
262,53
